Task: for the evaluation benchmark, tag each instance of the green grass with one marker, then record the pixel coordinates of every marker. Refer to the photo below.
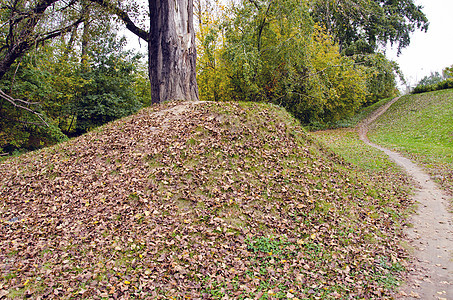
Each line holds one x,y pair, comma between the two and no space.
421,126
346,143
368,163
362,114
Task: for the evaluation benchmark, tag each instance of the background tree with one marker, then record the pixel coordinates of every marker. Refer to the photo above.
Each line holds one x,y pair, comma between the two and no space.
433,78
360,26
27,24
77,86
108,92
272,51
448,72
381,76
435,81
211,69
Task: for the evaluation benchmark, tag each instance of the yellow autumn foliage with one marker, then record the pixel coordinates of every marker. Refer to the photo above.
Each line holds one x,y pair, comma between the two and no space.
276,54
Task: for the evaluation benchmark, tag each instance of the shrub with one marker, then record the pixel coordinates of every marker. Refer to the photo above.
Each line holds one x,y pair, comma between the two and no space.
443,85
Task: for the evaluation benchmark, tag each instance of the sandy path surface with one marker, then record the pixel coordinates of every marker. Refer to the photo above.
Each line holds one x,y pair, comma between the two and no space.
431,237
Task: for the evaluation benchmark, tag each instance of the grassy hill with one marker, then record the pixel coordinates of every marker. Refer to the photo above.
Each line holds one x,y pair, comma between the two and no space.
197,201
421,126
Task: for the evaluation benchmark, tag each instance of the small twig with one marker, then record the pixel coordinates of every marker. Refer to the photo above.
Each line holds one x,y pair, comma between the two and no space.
14,76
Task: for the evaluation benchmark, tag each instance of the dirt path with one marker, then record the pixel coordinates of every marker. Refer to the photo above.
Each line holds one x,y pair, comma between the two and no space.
172,113
431,237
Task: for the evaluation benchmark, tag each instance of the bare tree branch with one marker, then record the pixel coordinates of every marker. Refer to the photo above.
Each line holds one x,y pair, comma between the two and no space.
58,32
22,122
19,103
130,25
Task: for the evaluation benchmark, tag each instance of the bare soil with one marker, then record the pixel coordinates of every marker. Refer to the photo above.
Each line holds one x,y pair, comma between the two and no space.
430,239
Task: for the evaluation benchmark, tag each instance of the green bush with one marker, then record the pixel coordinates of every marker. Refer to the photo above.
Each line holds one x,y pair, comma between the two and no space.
443,85
72,99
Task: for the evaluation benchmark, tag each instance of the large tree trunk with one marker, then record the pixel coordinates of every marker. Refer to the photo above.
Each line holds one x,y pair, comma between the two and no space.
172,53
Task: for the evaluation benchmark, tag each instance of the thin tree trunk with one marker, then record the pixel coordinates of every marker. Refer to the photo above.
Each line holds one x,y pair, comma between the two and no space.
85,36
14,76
70,44
172,53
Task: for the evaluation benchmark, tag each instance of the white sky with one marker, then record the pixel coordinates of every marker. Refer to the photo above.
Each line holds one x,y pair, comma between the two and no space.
431,51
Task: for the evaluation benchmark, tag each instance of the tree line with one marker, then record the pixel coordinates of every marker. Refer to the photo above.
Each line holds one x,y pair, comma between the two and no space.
435,81
321,60
64,69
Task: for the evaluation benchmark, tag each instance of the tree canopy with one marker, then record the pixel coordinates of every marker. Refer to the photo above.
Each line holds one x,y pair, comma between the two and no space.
28,23
360,26
275,51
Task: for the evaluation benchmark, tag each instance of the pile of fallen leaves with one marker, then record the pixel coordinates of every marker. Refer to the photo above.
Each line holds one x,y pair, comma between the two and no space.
195,201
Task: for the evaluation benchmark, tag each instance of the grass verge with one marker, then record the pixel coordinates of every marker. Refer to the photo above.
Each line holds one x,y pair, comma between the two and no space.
362,114
421,126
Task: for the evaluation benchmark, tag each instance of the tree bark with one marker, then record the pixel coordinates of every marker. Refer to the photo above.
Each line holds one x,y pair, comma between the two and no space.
85,35
171,51
171,47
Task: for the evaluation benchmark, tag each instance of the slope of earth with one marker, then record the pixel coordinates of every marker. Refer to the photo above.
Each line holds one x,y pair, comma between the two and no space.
354,120
421,126
199,201
431,232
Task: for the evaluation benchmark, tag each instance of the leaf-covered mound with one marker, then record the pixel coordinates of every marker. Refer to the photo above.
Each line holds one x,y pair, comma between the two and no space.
196,201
